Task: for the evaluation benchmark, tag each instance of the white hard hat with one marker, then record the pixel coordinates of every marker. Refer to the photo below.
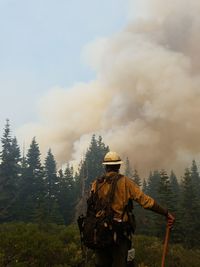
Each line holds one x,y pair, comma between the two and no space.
112,158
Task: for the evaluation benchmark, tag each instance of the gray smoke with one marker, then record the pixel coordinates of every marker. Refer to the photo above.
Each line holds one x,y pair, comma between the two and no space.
145,101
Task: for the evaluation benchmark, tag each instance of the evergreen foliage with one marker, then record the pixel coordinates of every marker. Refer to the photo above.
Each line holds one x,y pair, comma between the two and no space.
195,180
136,178
165,200
149,226
175,206
9,174
33,192
144,186
32,196
153,184
190,211
128,170
92,166
53,213
67,196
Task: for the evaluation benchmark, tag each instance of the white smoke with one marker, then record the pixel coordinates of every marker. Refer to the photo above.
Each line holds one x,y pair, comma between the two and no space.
145,101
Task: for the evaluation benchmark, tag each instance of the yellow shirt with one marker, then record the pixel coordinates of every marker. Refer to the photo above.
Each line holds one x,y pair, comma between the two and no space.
125,189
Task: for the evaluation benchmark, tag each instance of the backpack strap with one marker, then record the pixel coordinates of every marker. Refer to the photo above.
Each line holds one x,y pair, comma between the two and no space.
111,193
113,187
93,200
94,203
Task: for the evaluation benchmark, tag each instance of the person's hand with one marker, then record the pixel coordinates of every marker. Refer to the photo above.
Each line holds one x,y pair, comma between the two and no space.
170,220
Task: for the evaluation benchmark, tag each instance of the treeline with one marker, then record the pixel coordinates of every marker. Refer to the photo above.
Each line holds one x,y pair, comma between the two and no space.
36,192
180,196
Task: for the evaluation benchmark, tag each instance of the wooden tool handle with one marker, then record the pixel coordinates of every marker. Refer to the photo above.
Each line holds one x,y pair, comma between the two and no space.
165,245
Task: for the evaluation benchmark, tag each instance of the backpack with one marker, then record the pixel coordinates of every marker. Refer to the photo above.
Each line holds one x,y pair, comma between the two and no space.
98,229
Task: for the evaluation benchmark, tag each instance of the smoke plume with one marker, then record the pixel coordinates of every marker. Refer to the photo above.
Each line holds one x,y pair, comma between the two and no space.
145,101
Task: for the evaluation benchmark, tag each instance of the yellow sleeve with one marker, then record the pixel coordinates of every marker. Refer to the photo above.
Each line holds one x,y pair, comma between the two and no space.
136,194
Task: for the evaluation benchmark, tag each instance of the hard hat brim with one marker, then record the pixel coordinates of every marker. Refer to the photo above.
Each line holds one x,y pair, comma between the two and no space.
112,162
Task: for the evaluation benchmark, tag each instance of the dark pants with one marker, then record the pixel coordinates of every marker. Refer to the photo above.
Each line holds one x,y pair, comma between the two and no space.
114,256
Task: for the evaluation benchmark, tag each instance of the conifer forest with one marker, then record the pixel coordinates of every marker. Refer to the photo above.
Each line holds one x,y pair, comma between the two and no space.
39,204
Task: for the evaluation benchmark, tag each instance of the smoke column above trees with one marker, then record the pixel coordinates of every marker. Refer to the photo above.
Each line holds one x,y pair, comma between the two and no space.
145,101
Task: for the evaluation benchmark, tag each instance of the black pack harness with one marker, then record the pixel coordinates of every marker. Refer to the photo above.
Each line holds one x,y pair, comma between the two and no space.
98,228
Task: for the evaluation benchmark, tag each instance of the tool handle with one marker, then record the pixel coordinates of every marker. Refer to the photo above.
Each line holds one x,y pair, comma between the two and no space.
165,245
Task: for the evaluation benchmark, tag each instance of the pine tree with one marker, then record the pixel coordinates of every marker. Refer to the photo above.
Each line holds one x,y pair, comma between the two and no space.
9,173
165,200
136,178
175,193
142,215
195,179
128,170
83,176
22,186
92,163
51,180
89,169
67,195
138,210
190,212
16,159
175,208
60,174
163,197
32,195
144,186
153,184
164,190
51,190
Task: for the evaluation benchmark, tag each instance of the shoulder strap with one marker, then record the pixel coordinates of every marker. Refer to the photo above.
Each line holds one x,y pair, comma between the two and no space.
96,205
98,182
111,193
92,201
113,187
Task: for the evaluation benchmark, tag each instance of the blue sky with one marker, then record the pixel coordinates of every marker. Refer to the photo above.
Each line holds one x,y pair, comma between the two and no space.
41,46
41,43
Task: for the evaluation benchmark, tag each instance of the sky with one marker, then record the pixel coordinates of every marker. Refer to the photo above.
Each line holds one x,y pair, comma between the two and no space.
41,46
127,70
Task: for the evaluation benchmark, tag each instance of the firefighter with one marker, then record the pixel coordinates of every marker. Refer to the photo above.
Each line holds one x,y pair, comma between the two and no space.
126,190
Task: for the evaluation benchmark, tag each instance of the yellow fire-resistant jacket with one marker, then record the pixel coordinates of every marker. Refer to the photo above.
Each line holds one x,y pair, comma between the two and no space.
125,189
